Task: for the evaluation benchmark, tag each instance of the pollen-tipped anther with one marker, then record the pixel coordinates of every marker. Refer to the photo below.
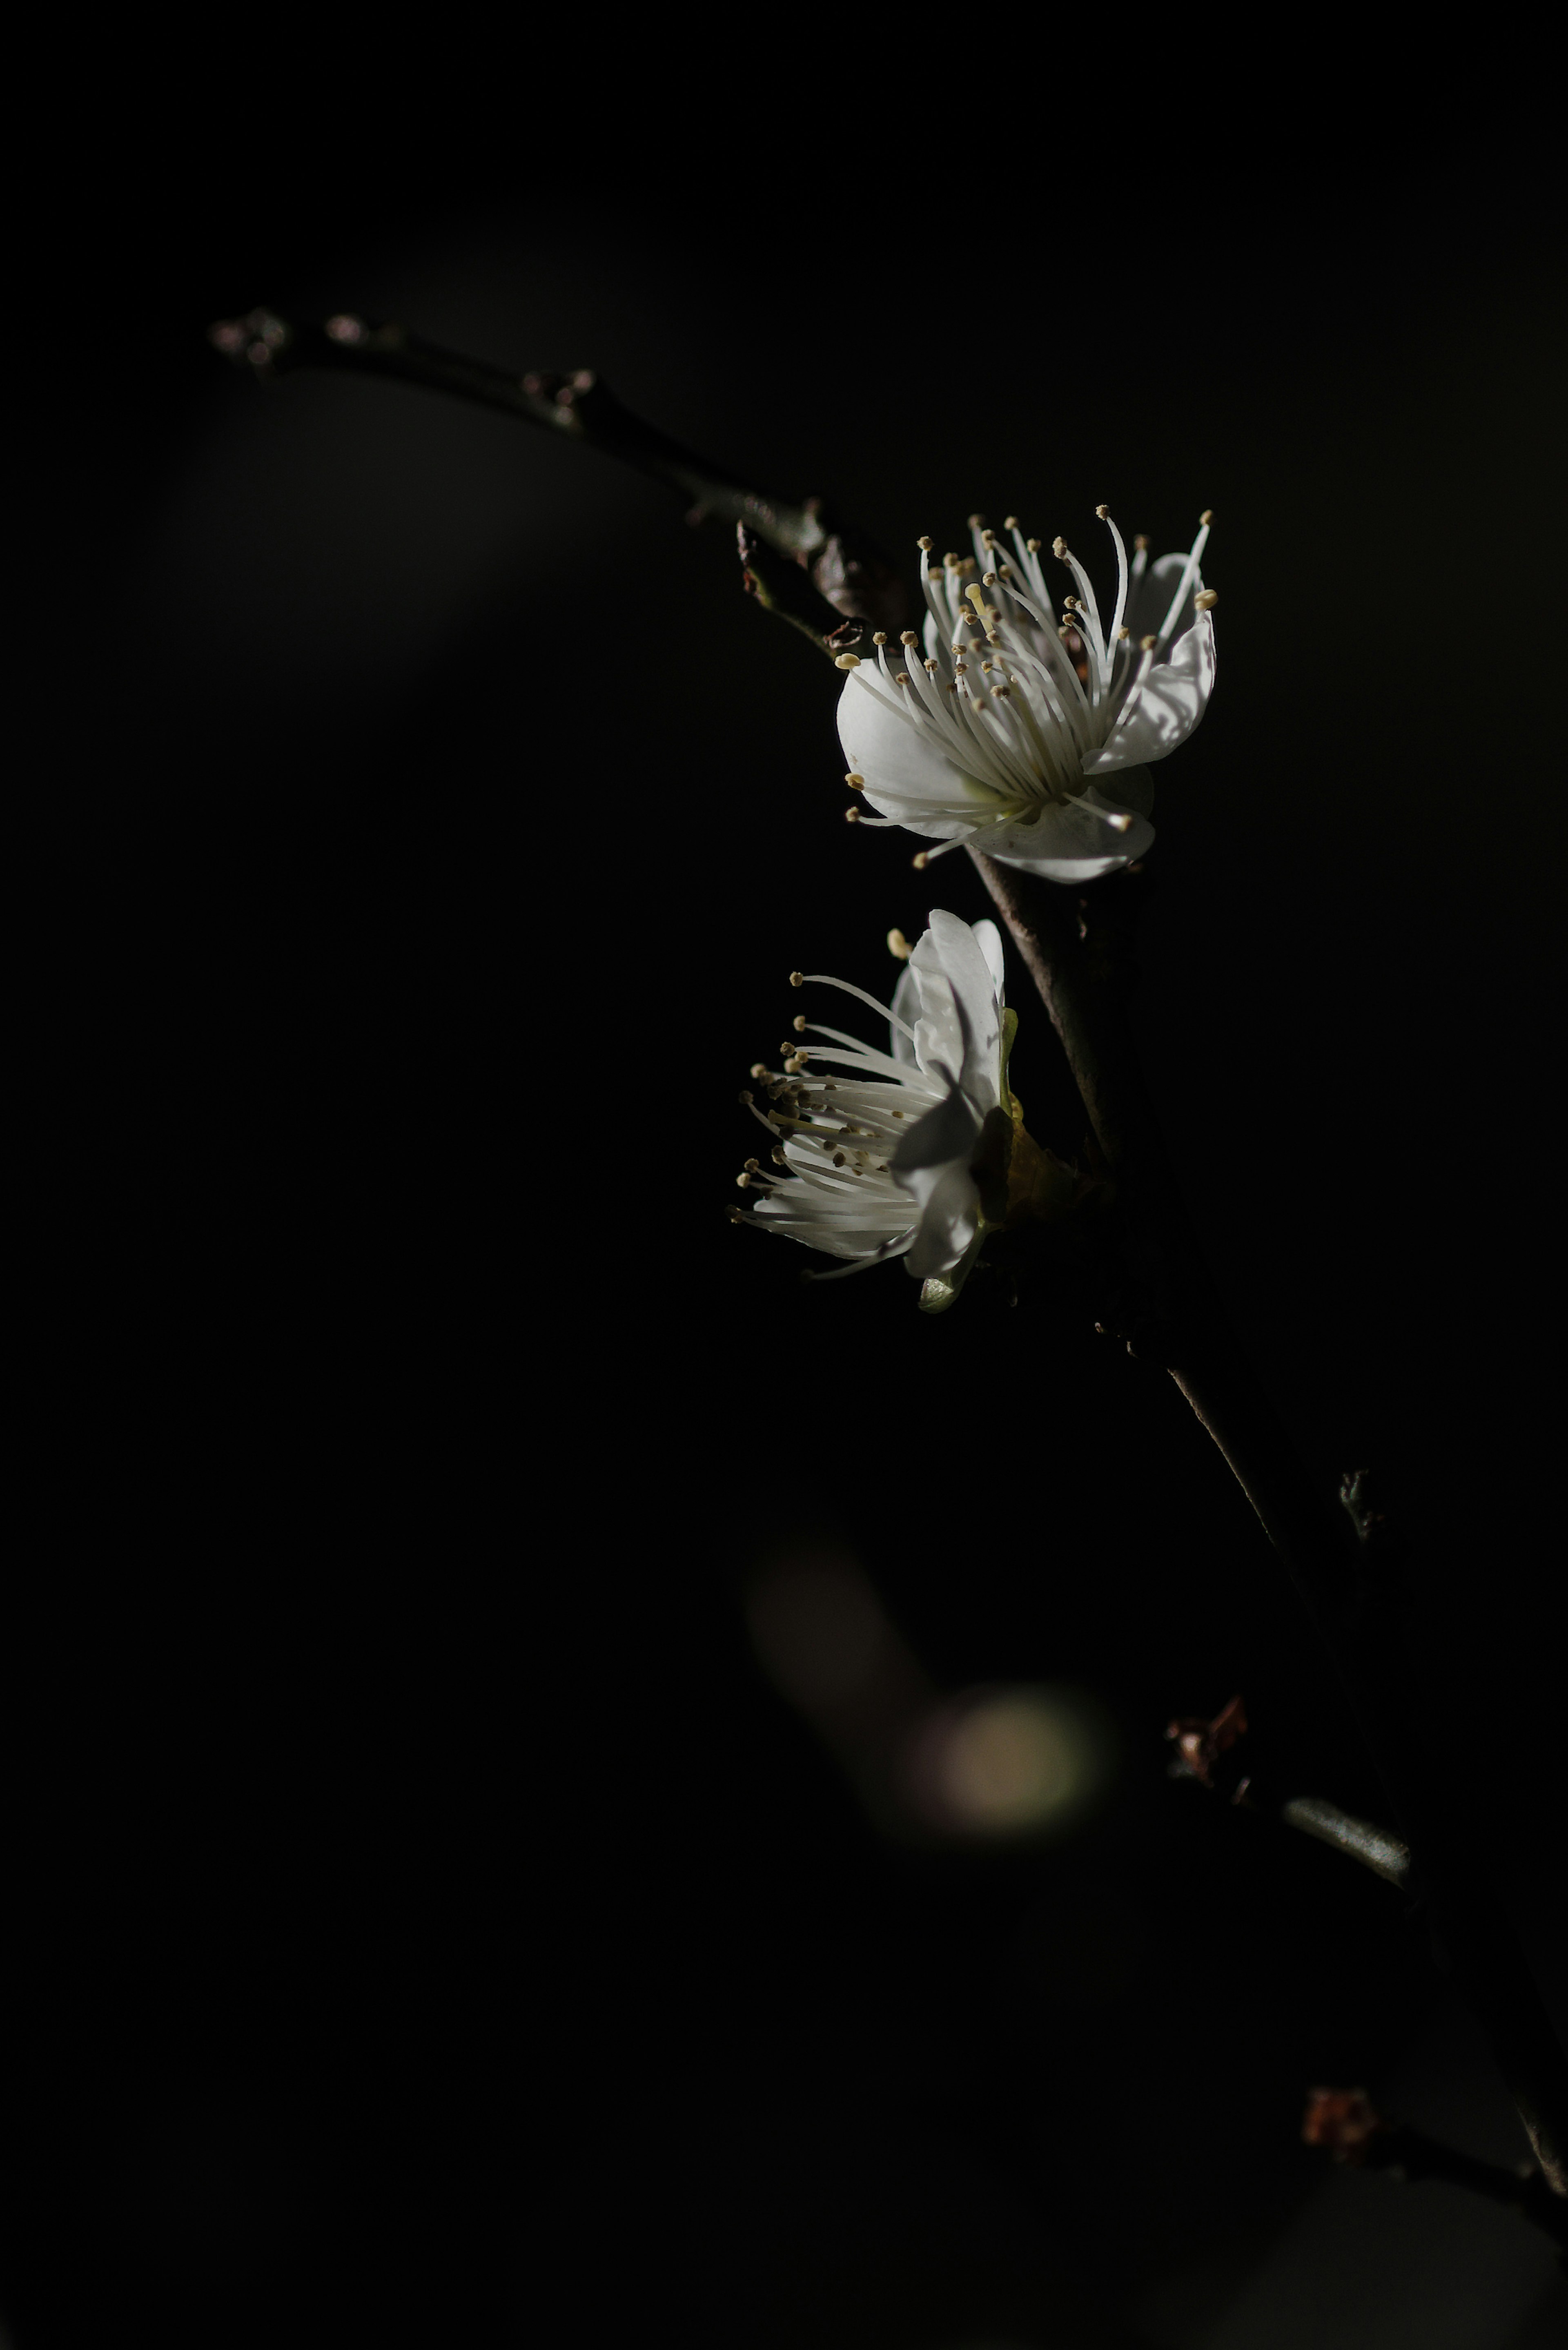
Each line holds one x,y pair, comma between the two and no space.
847,660
797,979
898,946
1205,598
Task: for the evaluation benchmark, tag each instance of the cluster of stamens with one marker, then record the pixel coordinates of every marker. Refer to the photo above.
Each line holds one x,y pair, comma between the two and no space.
832,1138
1015,699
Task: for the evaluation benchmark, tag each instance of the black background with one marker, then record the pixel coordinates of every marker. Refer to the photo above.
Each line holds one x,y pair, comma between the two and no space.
424,1913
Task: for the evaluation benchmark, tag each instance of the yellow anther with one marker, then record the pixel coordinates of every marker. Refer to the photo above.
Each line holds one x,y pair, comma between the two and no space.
797,979
798,1023
1207,517
753,1166
1146,644
857,783
898,945
925,545
977,522
758,1070
989,578
851,816
847,660
921,859
1103,513
1122,636
908,637
1010,521
880,638
1120,823
1205,598
1141,544
1059,549
1034,545
744,1182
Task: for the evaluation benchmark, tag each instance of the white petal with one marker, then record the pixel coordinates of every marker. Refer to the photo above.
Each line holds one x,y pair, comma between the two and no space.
1073,843
1162,713
950,1220
951,947
938,1290
944,1135
893,758
905,1006
989,939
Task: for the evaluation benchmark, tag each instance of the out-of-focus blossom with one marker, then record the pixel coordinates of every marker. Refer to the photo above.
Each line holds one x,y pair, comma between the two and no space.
1343,2121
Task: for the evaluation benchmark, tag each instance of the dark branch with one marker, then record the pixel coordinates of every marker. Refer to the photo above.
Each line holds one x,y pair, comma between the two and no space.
1374,1848
847,570
1079,955
1345,2124
1210,1753
1410,2154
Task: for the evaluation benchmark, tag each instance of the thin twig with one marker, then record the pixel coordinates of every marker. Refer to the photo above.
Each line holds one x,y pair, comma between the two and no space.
1345,2124
1079,957
849,573
1374,1848
1410,2154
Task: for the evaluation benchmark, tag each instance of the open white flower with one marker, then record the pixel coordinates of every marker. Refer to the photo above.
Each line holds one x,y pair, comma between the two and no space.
879,1160
993,738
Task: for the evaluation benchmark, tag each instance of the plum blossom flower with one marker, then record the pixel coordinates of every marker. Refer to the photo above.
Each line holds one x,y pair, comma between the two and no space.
889,1156
995,737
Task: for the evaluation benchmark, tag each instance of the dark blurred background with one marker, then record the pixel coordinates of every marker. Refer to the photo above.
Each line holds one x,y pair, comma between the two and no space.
455,1873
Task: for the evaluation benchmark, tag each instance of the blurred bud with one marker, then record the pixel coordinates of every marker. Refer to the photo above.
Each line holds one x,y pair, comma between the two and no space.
1343,2121
1199,1744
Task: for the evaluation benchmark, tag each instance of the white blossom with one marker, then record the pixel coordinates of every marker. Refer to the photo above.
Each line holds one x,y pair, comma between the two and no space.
990,737
877,1160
